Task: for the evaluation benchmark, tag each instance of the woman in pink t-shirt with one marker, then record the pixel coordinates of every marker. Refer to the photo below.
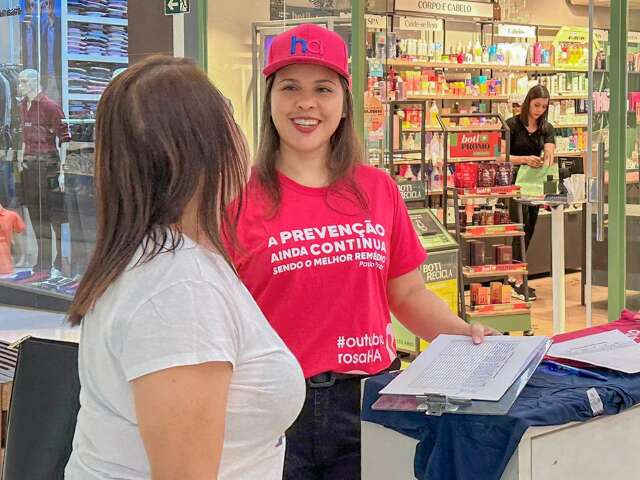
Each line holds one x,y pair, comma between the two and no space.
328,250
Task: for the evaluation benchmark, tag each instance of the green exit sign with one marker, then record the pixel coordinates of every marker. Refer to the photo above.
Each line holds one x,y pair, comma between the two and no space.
175,7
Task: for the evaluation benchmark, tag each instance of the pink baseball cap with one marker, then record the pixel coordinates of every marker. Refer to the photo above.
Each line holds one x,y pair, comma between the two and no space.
308,43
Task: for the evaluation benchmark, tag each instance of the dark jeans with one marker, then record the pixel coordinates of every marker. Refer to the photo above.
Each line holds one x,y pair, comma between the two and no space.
324,442
530,217
45,202
80,207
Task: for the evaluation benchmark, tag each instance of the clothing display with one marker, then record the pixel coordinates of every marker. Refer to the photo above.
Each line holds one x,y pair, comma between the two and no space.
90,77
10,129
10,223
182,308
321,238
42,122
97,39
45,202
100,8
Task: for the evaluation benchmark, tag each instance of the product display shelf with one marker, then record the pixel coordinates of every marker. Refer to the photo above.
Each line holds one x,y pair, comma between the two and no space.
506,318
494,274
79,59
97,58
496,98
402,63
491,235
412,191
121,22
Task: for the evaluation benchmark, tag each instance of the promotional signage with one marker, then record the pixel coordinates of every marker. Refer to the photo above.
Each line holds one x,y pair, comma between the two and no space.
516,31
375,21
374,118
440,274
419,24
412,191
633,37
573,35
10,12
175,7
474,144
446,7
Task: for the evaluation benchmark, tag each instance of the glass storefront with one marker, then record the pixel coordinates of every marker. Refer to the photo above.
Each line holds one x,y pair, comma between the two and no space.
56,59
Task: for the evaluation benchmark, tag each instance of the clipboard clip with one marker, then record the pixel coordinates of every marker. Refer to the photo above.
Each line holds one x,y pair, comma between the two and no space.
436,404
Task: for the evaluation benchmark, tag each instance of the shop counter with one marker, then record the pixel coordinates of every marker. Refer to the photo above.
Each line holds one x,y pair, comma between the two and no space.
552,432
602,448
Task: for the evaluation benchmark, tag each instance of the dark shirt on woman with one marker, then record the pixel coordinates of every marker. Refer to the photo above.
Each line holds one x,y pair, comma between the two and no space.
524,142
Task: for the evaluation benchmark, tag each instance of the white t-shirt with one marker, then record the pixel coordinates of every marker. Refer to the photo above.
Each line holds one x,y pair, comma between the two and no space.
182,308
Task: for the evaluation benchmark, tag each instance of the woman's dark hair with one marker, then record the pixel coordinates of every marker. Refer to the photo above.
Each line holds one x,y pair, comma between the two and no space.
346,151
164,137
539,91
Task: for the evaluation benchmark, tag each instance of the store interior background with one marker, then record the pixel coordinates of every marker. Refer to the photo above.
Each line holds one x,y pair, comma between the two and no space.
229,37
229,62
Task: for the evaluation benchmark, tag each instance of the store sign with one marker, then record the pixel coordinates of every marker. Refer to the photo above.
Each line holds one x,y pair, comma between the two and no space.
446,7
412,191
373,118
572,35
376,21
10,12
175,7
633,37
602,35
420,24
516,31
474,144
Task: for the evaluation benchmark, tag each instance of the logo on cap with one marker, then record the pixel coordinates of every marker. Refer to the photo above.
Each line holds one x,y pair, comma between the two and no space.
313,46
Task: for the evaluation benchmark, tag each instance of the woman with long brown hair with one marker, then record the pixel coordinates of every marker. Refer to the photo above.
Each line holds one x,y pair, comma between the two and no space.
328,249
181,375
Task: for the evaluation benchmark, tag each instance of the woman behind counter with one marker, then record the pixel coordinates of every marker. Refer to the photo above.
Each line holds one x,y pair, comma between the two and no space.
532,144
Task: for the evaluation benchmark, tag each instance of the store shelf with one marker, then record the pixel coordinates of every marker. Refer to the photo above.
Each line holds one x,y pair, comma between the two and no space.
570,125
122,22
569,154
498,98
470,128
494,274
488,195
35,290
502,313
84,97
406,152
472,159
484,66
581,96
467,236
97,59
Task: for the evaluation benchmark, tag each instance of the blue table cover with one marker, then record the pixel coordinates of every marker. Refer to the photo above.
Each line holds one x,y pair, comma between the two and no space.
460,447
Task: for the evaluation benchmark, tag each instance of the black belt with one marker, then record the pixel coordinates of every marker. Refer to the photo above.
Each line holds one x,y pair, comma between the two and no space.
328,379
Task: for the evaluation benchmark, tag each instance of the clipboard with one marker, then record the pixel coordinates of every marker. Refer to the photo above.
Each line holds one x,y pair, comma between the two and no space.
437,405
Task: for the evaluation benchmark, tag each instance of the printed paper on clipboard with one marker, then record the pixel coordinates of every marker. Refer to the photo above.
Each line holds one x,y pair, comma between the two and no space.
484,378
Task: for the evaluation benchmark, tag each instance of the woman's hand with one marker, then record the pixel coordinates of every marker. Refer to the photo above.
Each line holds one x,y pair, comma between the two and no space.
477,332
534,161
